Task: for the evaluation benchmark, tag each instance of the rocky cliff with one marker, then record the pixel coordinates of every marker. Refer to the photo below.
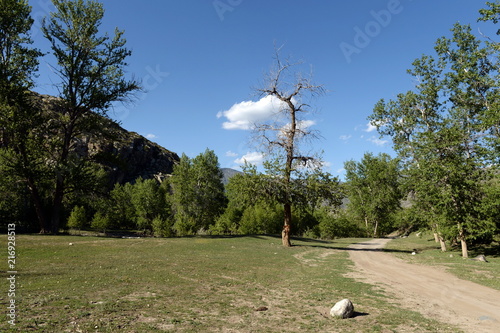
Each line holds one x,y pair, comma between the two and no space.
125,155
131,155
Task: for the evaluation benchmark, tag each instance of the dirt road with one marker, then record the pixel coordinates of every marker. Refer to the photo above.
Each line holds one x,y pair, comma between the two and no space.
429,290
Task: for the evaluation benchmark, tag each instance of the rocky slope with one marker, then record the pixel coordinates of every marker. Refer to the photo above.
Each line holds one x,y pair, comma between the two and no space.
125,155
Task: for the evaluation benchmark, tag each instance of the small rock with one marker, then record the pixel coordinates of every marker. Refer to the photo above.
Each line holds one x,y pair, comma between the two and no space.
343,309
70,244
413,253
480,257
262,308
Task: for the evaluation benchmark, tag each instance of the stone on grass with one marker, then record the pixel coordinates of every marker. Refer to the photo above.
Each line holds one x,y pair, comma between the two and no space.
480,257
343,309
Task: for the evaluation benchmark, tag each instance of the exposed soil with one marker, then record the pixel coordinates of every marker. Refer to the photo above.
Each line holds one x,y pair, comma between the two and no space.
429,290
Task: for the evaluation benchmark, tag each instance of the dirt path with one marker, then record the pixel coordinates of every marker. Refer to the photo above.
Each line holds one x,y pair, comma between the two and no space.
429,290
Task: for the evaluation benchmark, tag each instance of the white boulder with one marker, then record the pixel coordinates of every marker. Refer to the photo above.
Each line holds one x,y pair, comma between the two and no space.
343,309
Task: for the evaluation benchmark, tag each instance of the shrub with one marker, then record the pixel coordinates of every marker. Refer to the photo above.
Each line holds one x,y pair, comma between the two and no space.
261,219
100,222
228,223
77,219
184,225
161,227
338,226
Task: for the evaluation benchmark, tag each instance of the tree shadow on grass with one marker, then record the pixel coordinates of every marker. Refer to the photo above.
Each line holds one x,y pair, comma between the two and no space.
330,246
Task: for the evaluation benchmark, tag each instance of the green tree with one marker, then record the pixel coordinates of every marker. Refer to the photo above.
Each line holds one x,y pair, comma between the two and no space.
90,66
337,224
442,132
373,191
100,222
77,219
120,208
149,202
491,117
197,193
161,227
20,118
251,193
261,218
239,198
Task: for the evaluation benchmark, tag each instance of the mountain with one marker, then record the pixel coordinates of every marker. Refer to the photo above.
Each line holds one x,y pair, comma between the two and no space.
125,155
228,173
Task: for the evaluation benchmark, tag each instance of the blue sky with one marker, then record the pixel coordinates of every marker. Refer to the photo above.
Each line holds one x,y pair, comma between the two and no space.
199,59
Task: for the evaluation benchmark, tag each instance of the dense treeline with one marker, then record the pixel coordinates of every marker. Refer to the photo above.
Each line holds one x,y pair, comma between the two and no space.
446,133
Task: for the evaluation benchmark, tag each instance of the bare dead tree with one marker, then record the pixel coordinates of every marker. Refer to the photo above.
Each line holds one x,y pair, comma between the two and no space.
288,130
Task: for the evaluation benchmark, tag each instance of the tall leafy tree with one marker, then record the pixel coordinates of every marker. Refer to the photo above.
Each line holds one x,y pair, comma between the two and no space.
373,190
442,132
149,200
491,117
90,66
197,193
20,118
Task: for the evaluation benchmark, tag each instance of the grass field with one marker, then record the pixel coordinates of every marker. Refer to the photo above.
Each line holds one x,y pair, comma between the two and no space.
198,284
429,253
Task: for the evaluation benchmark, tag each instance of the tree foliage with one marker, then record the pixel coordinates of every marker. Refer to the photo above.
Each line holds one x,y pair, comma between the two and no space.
78,218
445,132
21,159
90,66
197,193
373,191
253,195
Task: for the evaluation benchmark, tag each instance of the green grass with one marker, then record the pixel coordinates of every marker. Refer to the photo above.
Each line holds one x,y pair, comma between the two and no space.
429,253
198,284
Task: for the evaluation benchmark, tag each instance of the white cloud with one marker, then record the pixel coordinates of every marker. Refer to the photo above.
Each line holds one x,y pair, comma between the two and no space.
243,115
326,164
341,171
377,141
150,136
302,125
231,154
345,137
250,157
370,127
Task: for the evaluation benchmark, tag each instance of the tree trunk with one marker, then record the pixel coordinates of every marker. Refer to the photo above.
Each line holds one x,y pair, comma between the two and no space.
465,251
37,201
443,244
57,205
436,233
61,179
436,237
375,231
285,234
